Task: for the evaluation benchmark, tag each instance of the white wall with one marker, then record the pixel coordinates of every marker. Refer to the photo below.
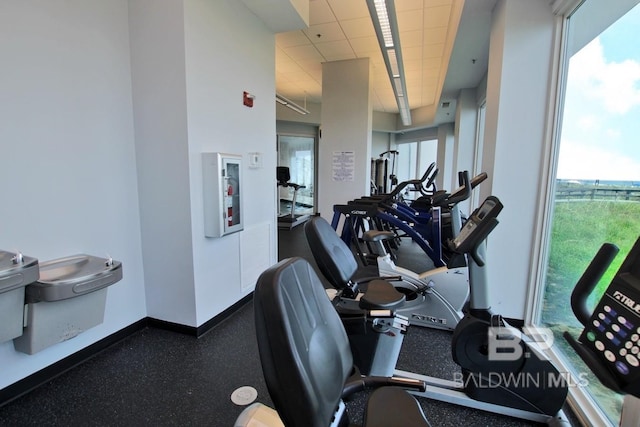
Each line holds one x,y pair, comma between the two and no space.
186,103
381,142
226,268
106,107
447,177
159,98
518,87
465,137
68,159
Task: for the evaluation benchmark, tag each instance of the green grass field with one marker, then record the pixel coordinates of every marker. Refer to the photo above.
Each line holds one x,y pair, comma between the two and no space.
579,229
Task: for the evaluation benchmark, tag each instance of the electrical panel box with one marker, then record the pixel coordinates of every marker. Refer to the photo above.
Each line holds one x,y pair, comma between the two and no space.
222,186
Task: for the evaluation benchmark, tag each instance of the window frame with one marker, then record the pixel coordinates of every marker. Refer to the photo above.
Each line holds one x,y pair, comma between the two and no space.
580,401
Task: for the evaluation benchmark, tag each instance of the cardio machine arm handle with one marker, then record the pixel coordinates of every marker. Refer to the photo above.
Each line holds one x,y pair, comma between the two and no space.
589,280
429,187
417,183
463,193
426,173
478,179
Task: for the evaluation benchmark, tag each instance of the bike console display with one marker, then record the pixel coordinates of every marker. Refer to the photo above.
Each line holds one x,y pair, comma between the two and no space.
477,227
610,341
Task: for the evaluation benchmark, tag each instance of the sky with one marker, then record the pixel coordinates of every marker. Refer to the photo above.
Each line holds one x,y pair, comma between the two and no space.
601,123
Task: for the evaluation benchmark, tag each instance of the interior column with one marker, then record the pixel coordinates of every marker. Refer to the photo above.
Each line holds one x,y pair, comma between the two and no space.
519,102
344,150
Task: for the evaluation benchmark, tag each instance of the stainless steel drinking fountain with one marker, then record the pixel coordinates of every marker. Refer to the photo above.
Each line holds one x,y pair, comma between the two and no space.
68,299
16,272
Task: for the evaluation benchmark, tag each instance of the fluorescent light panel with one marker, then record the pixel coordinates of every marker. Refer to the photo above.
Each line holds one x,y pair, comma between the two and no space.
383,15
290,104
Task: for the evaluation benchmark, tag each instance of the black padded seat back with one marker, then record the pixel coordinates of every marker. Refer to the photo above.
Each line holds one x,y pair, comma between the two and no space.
303,347
283,175
333,256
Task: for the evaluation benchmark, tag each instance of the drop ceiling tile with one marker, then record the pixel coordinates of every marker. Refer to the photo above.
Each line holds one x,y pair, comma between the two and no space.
337,50
309,85
291,38
437,16
307,52
360,27
364,46
282,82
409,21
434,35
347,32
325,32
412,65
413,76
288,67
410,39
429,73
349,9
312,67
320,12
429,95
411,53
281,56
403,5
433,50
433,3
297,77
377,61
381,81
432,64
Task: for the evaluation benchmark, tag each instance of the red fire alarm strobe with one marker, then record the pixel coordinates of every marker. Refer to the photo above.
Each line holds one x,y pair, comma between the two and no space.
247,99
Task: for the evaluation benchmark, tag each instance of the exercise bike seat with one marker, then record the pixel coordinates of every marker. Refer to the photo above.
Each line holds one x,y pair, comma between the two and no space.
337,263
381,295
306,360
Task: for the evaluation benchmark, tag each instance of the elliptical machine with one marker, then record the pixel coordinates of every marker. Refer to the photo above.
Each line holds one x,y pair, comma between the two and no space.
610,342
503,370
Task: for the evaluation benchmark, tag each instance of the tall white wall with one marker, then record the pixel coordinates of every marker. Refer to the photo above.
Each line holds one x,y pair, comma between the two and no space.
106,106
518,86
160,112
226,268
188,91
68,159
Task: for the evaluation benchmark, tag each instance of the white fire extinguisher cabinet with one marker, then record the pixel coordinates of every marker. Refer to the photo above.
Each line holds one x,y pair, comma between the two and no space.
222,193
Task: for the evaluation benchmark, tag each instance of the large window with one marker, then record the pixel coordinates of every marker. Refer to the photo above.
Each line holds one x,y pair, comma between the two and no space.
413,160
597,182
